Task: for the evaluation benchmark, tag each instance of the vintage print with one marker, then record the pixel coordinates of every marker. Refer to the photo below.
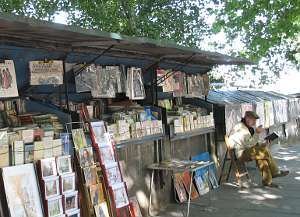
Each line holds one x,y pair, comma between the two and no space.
113,173
96,193
22,192
86,157
67,182
101,210
8,82
90,175
120,195
64,164
51,186
54,206
48,167
44,73
71,201
79,138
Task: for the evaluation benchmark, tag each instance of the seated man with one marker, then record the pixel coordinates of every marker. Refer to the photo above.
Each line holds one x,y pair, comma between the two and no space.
244,139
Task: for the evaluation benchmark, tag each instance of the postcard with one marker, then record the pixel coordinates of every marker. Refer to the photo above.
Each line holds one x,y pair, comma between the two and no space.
71,201
67,182
120,195
51,187
79,138
48,167
64,164
86,157
113,173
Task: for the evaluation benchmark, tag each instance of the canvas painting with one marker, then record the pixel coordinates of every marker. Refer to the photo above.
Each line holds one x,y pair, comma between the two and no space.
90,175
99,131
22,191
44,73
51,186
96,193
135,207
79,138
48,167
67,182
54,206
71,201
113,173
120,195
101,210
86,157
64,164
8,82
179,187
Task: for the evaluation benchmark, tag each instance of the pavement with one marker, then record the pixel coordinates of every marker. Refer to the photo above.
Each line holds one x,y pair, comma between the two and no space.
231,201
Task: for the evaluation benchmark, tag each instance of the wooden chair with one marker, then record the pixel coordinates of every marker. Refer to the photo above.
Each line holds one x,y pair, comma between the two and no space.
237,164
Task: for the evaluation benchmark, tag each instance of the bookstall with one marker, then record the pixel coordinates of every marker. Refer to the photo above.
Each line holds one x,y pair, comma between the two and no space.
277,112
81,119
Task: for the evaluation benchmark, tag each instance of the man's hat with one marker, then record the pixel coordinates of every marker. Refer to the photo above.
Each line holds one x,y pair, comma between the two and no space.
251,114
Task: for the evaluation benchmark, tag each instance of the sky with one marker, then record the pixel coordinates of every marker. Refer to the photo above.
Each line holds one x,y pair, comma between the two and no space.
287,82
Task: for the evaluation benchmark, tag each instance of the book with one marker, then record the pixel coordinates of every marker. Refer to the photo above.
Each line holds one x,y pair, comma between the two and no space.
271,137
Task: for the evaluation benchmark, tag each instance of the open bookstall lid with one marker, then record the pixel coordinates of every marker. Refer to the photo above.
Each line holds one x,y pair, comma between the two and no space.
32,33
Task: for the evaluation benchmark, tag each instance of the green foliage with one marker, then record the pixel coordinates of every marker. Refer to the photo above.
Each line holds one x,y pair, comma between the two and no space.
262,23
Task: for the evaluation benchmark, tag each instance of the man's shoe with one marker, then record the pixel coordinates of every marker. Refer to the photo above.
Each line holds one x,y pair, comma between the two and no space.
271,185
281,173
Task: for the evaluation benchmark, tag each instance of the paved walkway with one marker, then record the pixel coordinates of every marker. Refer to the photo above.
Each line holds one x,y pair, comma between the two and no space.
229,201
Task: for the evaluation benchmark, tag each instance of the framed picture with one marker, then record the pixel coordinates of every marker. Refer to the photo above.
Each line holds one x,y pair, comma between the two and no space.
86,157
113,173
99,131
96,194
67,182
71,201
101,210
8,84
64,164
73,213
28,153
120,195
107,154
45,73
51,187
135,207
79,139
48,167
22,193
90,175
54,206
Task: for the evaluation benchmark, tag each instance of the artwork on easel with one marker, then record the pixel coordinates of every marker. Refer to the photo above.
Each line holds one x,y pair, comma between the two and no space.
46,72
8,82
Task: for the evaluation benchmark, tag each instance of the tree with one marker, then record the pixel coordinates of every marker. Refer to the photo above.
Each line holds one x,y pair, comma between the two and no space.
263,24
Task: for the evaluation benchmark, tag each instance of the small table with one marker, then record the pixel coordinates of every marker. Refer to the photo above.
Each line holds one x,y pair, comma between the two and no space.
177,167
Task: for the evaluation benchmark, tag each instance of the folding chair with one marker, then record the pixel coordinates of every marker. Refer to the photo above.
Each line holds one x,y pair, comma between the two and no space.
239,166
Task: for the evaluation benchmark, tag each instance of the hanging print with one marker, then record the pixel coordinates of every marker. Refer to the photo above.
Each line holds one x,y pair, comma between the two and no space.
8,83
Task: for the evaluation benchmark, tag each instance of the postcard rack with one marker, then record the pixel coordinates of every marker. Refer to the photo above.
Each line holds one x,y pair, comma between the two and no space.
117,212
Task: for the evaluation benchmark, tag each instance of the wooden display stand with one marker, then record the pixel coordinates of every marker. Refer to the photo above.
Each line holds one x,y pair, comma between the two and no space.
116,212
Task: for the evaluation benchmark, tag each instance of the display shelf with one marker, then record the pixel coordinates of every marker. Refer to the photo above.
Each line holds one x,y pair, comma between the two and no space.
195,132
138,141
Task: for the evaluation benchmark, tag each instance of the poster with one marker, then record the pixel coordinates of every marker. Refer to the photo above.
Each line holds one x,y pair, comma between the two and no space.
87,79
135,86
44,73
22,192
8,82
